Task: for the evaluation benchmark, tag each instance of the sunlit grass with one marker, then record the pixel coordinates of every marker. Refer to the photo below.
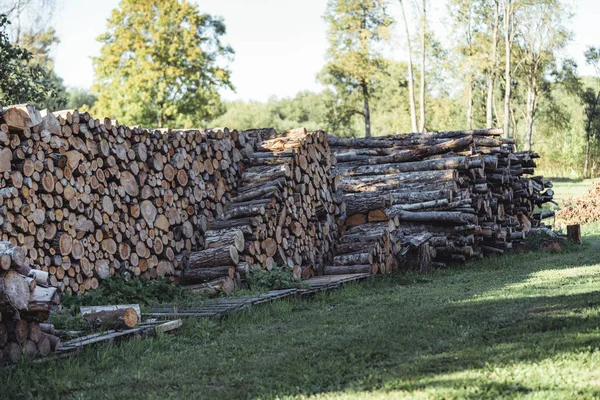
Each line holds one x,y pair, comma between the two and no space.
524,325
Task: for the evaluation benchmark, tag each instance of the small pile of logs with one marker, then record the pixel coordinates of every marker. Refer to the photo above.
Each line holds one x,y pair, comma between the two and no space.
283,211
87,198
580,210
452,196
25,302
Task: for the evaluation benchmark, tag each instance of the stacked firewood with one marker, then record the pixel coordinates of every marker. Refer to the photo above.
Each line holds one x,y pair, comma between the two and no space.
87,198
282,212
25,301
447,196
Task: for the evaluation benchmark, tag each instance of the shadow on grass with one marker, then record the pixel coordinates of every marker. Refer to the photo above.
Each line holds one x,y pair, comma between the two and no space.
405,332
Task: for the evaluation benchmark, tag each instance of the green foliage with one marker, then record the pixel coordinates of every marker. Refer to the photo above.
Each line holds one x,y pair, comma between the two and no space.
160,64
80,99
24,78
39,45
122,289
356,28
66,320
279,277
389,100
306,109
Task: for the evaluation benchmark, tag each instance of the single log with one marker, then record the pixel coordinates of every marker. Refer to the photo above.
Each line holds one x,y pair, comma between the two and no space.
21,116
14,292
114,319
43,346
13,352
436,217
226,255
354,169
205,274
213,288
10,256
35,331
353,259
54,341
574,233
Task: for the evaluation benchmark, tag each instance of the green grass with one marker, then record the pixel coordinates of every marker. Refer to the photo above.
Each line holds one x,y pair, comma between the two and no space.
565,189
522,326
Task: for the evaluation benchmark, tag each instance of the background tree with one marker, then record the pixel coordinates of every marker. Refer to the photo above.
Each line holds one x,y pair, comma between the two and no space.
39,44
160,60
22,80
465,28
411,79
423,71
590,97
542,34
29,16
356,28
509,10
493,67
80,99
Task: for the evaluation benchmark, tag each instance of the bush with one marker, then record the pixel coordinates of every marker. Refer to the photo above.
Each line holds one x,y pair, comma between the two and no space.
123,289
279,277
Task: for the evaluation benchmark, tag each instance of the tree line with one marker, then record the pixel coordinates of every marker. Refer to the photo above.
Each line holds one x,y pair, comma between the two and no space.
164,63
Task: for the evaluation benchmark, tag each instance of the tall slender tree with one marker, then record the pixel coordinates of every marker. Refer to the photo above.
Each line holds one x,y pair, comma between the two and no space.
489,120
542,34
509,36
591,101
423,72
411,79
465,29
28,16
356,29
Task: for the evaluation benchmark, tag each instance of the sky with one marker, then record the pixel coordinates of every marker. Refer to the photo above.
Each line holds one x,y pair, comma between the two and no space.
279,45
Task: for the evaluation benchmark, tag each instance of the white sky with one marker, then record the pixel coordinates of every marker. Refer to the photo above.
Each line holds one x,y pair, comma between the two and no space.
279,44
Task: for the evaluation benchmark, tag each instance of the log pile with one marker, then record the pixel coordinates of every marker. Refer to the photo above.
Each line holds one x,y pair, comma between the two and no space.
25,302
87,198
581,210
446,196
282,212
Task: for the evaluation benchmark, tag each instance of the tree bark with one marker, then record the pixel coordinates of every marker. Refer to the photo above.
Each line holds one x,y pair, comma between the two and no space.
411,79
366,111
423,32
125,318
588,127
489,121
530,115
470,104
508,22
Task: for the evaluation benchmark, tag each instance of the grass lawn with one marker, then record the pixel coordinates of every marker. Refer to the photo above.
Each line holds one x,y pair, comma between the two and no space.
525,326
566,188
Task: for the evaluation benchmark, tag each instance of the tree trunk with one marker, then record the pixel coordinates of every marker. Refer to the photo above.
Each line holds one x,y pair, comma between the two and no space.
366,113
588,127
470,105
508,43
423,30
411,79
530,116
586,167
489,120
